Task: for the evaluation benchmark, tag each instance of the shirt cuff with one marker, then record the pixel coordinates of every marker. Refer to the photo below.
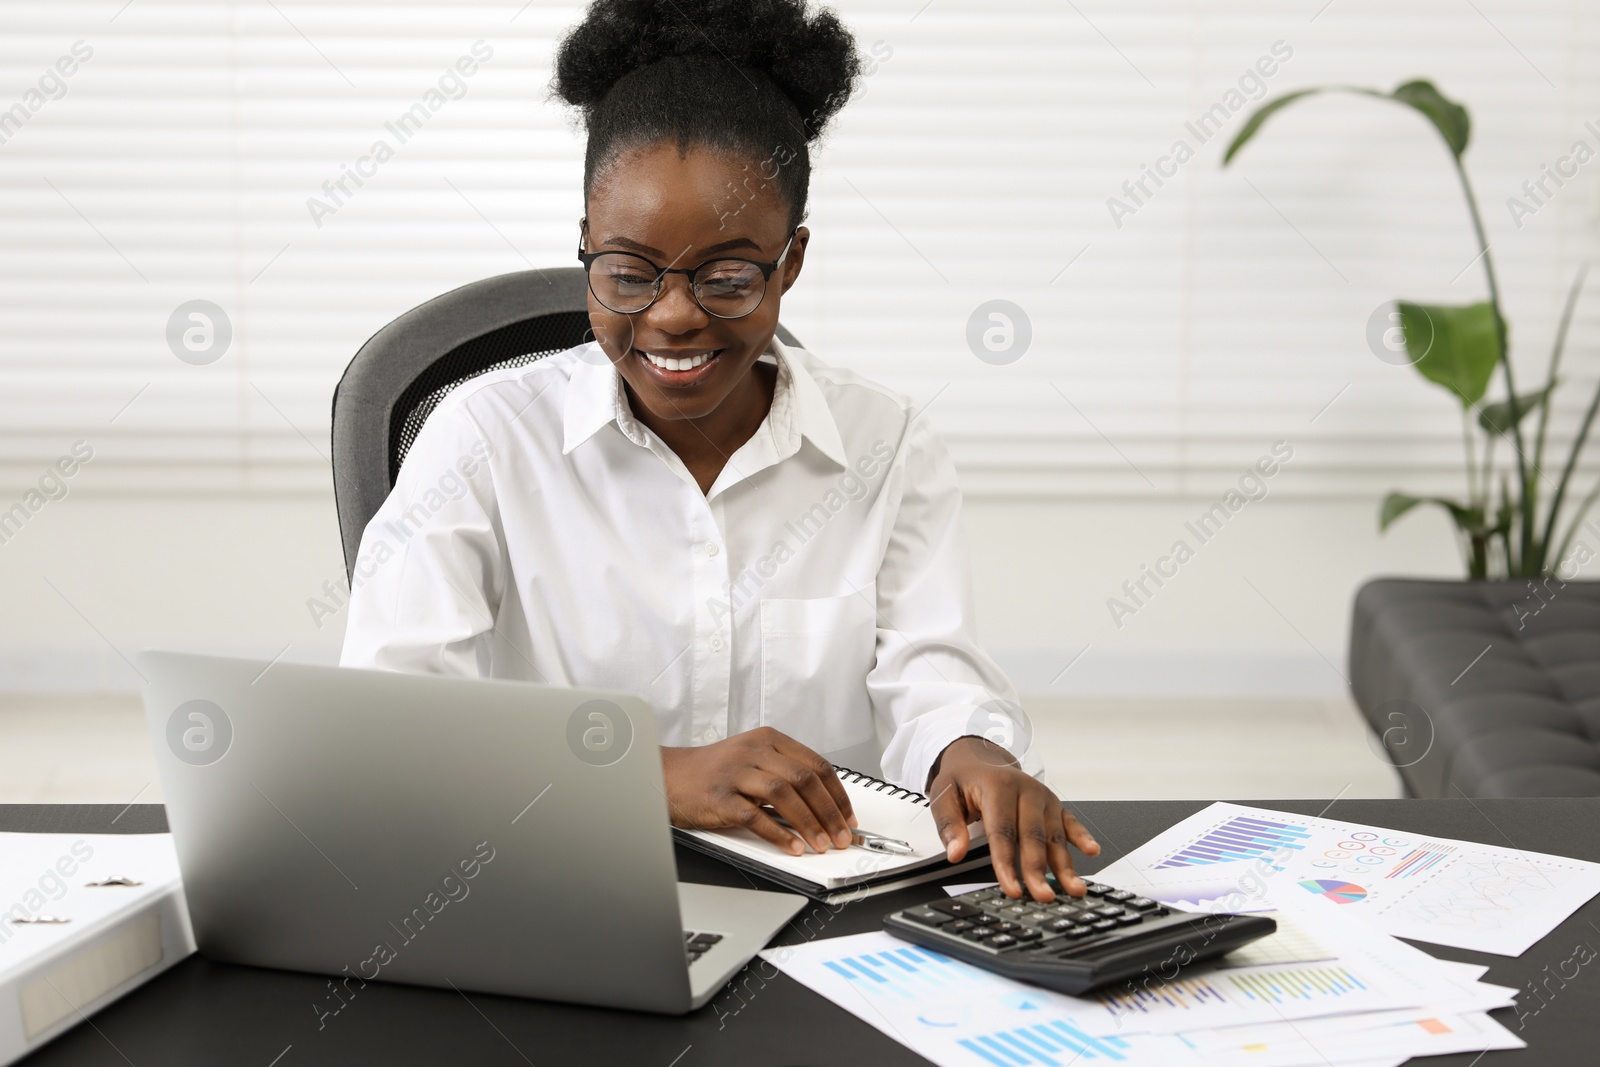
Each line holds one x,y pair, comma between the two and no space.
914,747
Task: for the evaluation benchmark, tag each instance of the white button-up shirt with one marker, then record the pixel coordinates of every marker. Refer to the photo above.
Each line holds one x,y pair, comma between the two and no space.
538,531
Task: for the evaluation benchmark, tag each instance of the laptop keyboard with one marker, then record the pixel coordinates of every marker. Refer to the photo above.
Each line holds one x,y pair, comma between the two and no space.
698,944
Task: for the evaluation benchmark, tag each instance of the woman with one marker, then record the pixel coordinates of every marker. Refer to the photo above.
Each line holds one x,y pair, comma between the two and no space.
768,548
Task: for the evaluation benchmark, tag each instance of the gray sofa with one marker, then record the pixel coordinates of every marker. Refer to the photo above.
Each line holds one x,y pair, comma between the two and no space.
1482,689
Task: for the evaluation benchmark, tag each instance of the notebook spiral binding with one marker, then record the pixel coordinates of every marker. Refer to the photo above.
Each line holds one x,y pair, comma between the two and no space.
878,785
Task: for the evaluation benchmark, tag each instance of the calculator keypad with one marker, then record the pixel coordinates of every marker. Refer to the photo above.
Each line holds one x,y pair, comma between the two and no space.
990,919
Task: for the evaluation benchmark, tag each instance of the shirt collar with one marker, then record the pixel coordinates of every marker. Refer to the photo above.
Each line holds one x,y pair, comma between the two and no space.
595,397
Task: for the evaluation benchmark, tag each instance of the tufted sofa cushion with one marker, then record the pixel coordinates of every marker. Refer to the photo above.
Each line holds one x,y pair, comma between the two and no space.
1483,689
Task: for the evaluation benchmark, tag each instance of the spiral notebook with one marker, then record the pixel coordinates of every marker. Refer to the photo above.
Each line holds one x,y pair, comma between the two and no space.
851,873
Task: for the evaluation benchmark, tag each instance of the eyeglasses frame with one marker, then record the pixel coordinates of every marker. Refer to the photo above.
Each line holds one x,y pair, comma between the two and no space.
766,269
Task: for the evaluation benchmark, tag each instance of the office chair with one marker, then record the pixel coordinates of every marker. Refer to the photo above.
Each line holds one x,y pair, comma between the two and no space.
404,370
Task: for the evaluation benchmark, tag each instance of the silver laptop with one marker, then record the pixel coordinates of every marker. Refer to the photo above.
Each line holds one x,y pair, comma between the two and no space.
481,835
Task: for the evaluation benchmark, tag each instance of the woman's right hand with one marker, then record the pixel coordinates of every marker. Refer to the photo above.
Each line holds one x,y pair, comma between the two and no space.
727,784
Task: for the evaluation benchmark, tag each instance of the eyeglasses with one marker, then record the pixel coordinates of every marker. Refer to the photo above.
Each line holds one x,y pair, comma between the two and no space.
725,288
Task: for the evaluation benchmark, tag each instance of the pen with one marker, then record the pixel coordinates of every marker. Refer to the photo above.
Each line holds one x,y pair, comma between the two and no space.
879,843
865,839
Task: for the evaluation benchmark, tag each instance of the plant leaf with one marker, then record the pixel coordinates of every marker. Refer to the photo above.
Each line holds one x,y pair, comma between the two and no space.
1397,504
1447,116
1507,512
1496,417
1259,116
1453,346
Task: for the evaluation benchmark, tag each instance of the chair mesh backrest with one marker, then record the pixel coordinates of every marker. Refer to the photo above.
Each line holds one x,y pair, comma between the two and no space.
515,345
404,370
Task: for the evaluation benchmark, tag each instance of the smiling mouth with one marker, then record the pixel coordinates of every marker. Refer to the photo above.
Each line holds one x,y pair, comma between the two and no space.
681,370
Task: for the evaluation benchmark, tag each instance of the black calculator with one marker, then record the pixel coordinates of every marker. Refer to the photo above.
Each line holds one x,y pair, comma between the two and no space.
1073,944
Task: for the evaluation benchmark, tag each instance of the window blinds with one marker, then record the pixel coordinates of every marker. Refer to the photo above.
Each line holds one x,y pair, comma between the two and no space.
298,174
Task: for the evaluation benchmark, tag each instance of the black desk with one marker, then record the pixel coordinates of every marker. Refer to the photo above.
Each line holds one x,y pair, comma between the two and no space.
207,1014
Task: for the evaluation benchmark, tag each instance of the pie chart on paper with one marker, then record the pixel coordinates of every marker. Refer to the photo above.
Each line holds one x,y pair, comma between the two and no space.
1338,892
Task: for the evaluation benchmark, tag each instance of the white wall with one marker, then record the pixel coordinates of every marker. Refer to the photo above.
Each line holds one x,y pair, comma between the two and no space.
1046,569
1171,347
93,578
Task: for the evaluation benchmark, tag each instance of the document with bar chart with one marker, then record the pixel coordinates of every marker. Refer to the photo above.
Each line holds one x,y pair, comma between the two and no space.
1324,989
960,1016
973,1017
1493,899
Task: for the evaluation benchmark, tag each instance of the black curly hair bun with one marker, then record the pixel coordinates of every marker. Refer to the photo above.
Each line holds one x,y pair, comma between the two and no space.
759,79
810,56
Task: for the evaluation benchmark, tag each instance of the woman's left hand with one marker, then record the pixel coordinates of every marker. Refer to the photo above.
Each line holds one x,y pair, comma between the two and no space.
1025,822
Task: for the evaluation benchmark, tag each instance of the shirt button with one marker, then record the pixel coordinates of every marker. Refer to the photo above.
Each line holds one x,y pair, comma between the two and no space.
716,643
710,734
711,548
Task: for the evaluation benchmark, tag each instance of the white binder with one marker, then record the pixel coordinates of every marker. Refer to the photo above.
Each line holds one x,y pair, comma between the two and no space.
84,919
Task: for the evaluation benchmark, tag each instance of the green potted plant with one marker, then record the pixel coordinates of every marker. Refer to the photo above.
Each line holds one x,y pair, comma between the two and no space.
1459,347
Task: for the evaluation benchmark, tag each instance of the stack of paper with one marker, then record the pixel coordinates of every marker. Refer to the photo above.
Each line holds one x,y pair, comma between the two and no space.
1332,986
1446,892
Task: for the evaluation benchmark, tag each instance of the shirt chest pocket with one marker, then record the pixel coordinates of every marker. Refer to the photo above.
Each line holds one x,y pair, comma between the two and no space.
815,656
